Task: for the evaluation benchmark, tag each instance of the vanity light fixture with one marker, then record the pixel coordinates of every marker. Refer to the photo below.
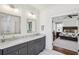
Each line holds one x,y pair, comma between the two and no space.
6,7
10,7
32,15
16,10
29,15
13,7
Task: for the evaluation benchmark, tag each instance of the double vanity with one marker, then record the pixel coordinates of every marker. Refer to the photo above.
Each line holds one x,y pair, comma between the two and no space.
27,45
19,33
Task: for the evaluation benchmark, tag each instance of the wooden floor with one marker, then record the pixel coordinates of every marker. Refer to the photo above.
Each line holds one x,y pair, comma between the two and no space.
65,51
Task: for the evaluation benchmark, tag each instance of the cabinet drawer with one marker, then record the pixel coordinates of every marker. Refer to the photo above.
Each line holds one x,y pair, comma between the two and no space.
13,53
13,48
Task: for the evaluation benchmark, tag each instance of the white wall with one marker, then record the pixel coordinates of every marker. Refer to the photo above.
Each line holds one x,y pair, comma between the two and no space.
71,22
23,11
46,15
67,21
45,20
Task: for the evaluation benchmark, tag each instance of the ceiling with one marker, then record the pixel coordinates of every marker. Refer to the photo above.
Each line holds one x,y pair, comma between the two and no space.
47,6
42,6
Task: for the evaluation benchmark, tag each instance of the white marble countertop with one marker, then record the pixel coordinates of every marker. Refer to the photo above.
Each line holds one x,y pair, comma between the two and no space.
19,41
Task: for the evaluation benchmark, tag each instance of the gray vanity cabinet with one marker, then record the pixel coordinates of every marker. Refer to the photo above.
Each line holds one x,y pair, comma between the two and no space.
36,46
12,53
0,52
23,51
20,49
42,43
33,47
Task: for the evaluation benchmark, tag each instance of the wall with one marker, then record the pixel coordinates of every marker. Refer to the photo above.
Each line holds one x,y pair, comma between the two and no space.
46,19
71,22
68,22
23,11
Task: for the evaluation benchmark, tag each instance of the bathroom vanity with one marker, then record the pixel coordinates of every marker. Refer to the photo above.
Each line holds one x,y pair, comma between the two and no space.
25,46
11,44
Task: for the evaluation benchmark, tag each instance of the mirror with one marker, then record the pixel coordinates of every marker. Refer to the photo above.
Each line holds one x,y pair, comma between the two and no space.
9,24
31,25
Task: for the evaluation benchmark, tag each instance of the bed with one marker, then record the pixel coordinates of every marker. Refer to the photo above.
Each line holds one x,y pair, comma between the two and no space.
69,33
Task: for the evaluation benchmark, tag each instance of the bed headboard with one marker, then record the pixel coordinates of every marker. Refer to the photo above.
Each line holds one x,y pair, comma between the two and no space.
71,29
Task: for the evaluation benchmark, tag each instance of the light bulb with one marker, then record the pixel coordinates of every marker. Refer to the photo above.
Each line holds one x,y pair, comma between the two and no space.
29,15
34,16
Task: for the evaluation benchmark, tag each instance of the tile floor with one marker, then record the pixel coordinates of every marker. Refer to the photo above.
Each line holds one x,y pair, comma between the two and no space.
50,52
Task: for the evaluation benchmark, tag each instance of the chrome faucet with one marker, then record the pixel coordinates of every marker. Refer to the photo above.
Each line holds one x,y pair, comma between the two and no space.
3,39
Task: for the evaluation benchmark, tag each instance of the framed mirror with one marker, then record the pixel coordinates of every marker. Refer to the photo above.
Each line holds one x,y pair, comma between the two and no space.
9,24
31,25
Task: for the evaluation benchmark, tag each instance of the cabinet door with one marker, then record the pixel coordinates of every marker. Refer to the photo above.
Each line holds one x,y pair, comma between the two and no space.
14,48
42,43
36,46
23,51
11,49
31,48
0,52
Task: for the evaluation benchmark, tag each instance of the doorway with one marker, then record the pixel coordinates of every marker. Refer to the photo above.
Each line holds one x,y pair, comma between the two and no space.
65,34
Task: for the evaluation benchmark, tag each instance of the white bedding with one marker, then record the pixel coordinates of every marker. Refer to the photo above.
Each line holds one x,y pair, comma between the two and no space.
68,34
